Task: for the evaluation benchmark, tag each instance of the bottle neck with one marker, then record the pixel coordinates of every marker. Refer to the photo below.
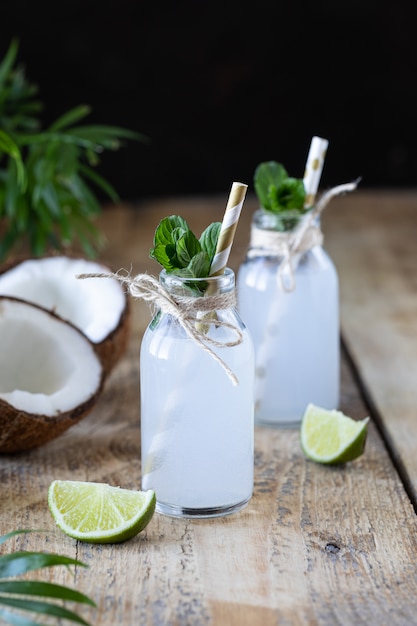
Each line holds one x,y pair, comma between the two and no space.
198,287
198,315
266,239
266,220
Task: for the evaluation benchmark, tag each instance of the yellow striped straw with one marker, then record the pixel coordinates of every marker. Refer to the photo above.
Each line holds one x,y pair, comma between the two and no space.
228,228
314,168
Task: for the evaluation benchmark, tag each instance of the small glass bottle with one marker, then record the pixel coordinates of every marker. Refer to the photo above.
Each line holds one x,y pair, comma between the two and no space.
197,427
290,304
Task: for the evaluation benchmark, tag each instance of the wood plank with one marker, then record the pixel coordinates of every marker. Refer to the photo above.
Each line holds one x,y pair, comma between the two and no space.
316,545
372,238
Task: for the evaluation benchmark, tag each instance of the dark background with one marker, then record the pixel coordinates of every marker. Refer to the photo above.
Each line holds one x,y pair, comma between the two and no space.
220,86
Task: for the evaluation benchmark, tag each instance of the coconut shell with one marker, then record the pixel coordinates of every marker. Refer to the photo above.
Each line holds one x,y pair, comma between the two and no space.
109,350
21,431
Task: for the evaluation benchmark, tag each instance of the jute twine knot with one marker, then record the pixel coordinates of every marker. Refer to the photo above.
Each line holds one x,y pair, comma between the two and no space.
292,244
192,313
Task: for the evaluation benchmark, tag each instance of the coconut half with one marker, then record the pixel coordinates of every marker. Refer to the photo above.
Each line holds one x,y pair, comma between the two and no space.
99,307
50,375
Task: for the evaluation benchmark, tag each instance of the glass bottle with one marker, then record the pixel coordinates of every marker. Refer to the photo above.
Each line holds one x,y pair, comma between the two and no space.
291,308
197,427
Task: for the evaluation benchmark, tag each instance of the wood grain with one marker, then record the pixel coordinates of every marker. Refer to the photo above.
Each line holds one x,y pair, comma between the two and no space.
372,240
315,546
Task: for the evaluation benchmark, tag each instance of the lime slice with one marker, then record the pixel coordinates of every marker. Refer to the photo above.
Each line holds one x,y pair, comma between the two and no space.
331,437
99,513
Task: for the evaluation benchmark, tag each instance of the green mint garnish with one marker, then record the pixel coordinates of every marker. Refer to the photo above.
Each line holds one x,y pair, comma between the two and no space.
178,250
280,194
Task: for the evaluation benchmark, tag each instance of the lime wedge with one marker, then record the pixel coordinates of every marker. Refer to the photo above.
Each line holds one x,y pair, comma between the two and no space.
331,437
99,513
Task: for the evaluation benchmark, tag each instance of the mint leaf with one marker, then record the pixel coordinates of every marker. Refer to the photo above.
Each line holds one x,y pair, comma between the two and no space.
163,233
209,239
268,175
164,255
200,265
279,193
179,251
187,247
290,194
167,234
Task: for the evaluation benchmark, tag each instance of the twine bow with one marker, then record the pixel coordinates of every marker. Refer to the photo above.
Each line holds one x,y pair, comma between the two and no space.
292,244
186,310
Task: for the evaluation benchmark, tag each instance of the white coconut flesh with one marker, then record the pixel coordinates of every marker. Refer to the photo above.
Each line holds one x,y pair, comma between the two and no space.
46,365
94,305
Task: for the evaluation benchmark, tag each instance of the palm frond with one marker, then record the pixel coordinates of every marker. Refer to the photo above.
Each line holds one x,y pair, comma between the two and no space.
48,188
17,594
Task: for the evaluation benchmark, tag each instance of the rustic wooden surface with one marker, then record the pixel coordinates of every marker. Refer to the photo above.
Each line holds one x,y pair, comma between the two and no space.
316,545
377,262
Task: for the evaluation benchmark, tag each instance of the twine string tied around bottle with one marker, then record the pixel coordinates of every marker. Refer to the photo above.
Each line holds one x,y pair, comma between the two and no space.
292,244
186,310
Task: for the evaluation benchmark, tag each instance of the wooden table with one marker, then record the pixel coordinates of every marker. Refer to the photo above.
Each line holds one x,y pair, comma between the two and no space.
316,545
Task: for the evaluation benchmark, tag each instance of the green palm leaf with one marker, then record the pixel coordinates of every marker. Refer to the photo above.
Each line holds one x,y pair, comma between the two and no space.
8,146
47,183
21,562
46,590
16,594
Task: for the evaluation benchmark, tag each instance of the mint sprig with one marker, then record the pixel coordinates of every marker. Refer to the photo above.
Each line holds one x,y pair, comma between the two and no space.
180,252
280,193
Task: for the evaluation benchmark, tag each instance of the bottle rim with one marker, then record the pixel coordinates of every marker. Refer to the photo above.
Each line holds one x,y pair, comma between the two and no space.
210,284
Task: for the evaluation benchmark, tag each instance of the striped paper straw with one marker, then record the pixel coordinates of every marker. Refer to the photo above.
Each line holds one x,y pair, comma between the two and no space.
314,168
228,228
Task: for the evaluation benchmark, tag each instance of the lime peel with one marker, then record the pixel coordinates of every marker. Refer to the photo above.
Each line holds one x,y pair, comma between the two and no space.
330,437
98,512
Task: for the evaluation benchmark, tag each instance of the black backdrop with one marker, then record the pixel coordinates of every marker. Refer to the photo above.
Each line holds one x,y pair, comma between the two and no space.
219,86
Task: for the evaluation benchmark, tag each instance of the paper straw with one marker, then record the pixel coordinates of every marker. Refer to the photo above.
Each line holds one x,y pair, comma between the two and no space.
314,168
228,228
